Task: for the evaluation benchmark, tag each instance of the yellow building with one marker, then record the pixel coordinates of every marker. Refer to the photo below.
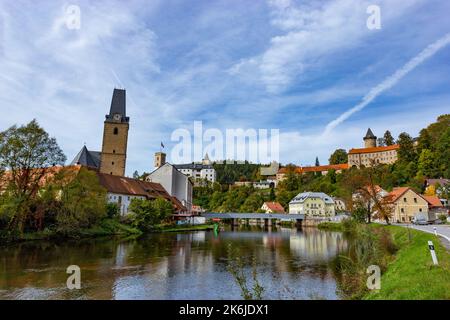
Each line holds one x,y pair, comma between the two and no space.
312,204
407,204
371,153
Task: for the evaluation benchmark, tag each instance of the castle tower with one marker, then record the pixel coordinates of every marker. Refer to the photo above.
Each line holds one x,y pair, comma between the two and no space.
115,136
160,159
206,160
370,141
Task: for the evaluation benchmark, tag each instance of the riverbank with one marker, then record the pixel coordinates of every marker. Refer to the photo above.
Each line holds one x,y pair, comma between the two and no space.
331,226
178,228
107,228
409,271
412,275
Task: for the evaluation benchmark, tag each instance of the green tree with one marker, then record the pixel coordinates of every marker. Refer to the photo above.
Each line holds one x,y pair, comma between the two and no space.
338,156
406,150
388,139
426,163
443,154
272,195
146,214
424,141
136,175
26,152
112,210
284,197
291,180
317,162
82,199
252,203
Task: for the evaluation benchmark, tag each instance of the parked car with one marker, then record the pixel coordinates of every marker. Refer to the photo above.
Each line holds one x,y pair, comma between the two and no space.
437,221
422,218
420,221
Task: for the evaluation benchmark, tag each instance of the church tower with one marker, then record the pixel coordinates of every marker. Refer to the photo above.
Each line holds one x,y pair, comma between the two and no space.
370,141
115,136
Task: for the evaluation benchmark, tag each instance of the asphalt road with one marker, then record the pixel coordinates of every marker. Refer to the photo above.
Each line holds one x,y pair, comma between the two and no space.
443,230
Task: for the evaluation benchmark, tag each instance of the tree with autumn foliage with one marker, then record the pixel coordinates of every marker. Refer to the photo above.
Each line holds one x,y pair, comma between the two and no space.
26,153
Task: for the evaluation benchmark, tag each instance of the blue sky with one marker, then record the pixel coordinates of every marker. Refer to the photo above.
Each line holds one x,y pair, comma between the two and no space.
291,65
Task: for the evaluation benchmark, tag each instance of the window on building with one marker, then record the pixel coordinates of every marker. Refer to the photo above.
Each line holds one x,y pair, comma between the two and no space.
415,200
116,131
420,209
402,210
112,163
404,199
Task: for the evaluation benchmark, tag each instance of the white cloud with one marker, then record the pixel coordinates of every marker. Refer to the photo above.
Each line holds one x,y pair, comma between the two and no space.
313,31
390,81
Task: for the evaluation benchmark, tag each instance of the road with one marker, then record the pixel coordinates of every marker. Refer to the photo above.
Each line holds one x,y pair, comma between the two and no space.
442,230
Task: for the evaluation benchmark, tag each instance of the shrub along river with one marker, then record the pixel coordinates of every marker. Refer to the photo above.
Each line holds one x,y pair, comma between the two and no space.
291,264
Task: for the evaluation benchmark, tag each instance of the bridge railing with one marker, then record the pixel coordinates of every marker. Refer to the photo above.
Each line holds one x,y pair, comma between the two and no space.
237,215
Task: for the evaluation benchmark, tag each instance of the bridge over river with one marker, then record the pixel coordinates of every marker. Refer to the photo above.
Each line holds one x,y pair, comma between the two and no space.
267,217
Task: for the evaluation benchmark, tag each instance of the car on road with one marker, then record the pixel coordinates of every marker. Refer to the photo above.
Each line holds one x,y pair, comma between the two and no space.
420,221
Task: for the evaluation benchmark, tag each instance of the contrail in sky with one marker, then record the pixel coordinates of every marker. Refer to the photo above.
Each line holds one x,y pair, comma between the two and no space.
390,81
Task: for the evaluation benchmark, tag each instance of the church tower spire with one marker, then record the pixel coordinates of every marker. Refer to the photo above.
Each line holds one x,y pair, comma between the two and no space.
115,136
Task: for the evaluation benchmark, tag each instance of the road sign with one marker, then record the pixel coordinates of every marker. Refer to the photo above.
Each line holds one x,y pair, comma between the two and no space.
433,253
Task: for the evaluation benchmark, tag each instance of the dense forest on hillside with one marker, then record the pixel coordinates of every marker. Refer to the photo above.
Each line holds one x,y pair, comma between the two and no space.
428,156
228,173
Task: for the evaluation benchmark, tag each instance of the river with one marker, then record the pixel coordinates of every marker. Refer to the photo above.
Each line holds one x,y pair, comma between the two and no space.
291,264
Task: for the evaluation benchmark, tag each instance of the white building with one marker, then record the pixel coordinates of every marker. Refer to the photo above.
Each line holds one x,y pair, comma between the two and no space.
263,184
121,190
198,171
174,182
312,204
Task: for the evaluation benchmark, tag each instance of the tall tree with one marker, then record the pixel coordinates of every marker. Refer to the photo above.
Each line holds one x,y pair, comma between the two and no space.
338,156
426,163
443,154
317,162
388,139
406,151
26,152
83,200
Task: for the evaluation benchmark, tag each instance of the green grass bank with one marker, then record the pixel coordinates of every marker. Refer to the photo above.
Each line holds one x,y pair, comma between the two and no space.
412,275
409,273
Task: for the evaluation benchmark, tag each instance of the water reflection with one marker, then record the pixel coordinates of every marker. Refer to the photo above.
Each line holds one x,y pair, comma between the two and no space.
292,264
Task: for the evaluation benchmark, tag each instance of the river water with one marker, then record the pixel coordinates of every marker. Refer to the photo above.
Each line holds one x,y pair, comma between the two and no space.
291,264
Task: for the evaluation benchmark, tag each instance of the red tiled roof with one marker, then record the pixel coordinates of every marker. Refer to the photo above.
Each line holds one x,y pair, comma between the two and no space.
47,174
275,207
397,193
342,166
129,186
433,201
374,149
114,184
